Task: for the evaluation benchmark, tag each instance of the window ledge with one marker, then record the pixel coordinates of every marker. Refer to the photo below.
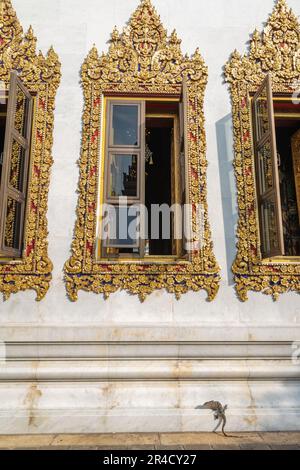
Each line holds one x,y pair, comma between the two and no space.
282,260
152,260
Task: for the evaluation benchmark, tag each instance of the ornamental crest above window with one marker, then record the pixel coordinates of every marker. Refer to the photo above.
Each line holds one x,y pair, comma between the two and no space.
28,87
265,91
142,217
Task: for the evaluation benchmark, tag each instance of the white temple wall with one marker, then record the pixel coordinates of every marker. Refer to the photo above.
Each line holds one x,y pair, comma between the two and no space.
118,365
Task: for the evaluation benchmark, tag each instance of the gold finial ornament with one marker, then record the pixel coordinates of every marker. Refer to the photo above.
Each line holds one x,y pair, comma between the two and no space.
41,75
142,60
276,51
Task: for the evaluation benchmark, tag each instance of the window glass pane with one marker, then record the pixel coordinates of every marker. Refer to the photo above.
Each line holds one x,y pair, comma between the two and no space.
262,115
123,175
21,112
12,224
122,227
269,227
125,124
265,168
16,173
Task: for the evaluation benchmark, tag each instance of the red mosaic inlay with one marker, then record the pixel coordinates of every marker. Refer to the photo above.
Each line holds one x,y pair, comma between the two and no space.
30,248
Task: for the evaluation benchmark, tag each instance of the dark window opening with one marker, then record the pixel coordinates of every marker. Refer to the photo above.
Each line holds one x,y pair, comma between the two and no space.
158,191
286,129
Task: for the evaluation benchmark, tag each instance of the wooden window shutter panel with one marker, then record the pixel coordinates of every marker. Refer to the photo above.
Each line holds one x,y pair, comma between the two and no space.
267,174
14,179
184,156
142,178
184,142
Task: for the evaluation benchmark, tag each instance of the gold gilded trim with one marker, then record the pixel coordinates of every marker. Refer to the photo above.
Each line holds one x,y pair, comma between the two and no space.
141,61
41,75
275,50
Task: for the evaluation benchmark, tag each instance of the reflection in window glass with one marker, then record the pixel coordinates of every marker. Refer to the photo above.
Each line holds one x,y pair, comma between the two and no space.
123,176
122,227
125,125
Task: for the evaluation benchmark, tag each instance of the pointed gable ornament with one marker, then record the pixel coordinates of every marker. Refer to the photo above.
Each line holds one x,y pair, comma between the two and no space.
274,51
141,60
41,76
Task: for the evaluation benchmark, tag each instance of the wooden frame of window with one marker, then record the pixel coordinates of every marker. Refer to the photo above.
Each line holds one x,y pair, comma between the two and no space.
140,149
28,266
126,71
183,121
179,172
180,144
245,75
9,191
267,194
140,119
122,149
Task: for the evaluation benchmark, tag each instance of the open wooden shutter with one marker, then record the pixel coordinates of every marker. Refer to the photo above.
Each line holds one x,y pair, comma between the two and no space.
267,175
184,141
14,178
184,149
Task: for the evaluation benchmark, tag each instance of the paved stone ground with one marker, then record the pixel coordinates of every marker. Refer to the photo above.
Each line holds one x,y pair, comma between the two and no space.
153,441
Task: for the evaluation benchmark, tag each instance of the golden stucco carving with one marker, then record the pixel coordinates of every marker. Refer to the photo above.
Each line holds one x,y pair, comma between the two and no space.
141,59
41,75
275,50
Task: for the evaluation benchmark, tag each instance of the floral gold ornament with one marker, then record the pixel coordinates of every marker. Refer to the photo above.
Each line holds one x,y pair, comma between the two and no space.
142,60
275,51
41,75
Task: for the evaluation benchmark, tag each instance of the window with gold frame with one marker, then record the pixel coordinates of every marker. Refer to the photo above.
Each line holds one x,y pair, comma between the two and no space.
149,171
15,147
258,81
142,64
29,83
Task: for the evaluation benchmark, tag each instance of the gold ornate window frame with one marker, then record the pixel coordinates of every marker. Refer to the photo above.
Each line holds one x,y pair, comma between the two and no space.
141,61
41,76
276,51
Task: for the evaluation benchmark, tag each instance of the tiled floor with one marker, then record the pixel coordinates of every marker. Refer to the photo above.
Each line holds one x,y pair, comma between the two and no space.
168,441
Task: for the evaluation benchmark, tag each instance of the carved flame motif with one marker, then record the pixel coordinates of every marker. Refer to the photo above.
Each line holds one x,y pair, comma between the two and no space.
143,54
276,50
41,76
142,59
